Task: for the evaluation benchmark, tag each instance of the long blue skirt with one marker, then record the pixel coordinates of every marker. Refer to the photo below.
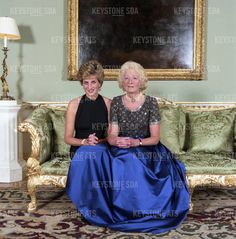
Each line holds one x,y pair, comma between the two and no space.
139,189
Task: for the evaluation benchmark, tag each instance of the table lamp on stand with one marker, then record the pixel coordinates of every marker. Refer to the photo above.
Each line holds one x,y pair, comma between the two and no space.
8,30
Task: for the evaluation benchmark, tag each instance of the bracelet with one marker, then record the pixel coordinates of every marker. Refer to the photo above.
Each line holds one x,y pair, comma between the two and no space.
83,141
140,142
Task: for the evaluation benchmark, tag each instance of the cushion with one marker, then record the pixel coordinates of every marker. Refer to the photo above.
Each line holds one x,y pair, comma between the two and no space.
208,163
210,131
58,117
56,166
172,127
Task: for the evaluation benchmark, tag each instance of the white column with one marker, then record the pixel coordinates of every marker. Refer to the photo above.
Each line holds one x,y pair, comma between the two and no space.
10,169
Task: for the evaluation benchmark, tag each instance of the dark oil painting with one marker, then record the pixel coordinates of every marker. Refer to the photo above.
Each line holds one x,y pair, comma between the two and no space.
159,34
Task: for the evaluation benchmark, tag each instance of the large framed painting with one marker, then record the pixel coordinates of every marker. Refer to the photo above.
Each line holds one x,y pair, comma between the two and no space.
165,36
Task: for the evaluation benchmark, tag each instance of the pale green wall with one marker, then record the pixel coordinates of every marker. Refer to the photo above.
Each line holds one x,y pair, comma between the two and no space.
43,74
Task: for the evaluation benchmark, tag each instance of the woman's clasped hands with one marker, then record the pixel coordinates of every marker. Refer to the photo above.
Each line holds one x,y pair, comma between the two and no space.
91,140
126,142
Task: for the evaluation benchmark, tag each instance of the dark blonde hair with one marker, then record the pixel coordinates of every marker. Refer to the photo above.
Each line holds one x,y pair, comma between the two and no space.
92,67
136,67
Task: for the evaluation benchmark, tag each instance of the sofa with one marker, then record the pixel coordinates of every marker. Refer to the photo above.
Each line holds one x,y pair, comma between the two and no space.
201,135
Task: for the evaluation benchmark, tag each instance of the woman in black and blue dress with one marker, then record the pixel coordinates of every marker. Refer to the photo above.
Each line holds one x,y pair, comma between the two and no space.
86,131
136,185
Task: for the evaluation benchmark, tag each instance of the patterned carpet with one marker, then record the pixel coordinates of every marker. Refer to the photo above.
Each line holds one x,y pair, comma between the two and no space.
214,217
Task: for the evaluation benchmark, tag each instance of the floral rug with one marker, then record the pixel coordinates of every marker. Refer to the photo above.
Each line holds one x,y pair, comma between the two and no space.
214,217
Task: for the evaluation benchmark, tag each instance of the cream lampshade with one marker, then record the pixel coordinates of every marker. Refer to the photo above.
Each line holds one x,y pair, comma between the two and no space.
8,30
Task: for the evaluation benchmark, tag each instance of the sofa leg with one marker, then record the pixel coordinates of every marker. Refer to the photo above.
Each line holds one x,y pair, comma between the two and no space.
191,202
32,206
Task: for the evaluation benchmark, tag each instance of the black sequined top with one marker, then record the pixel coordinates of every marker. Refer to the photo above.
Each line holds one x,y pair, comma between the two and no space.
135,123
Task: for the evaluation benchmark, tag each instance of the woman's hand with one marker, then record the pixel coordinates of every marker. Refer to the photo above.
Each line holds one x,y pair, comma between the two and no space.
91,140
123,142
126,142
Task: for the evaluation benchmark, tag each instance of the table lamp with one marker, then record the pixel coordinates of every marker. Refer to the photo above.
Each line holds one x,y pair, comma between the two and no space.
8,30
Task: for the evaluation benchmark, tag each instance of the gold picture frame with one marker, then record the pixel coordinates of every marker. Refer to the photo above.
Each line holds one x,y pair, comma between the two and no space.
197,52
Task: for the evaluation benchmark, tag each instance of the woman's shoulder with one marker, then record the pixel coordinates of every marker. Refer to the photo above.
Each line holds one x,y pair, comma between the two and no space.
117,98
106,100
116,101
74,102
151,99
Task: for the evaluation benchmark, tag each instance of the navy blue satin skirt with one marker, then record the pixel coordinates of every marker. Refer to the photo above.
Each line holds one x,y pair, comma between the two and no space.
139,189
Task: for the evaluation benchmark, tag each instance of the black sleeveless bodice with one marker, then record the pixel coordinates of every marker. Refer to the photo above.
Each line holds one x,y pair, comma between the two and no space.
91,117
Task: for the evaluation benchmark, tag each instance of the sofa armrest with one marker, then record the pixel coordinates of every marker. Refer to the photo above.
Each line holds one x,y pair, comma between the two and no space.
39,126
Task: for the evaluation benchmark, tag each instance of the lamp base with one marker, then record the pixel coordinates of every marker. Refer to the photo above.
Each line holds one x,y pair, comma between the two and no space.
7,97
5,88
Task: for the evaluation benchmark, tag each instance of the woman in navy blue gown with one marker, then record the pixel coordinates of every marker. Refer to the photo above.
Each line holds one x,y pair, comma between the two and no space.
136,185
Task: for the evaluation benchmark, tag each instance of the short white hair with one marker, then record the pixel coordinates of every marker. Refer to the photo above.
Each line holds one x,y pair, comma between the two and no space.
137,68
